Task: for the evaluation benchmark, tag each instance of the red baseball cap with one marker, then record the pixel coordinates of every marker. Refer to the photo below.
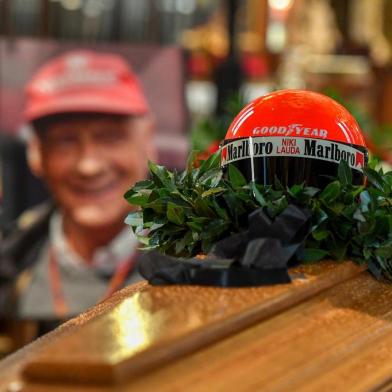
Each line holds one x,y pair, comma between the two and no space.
84,82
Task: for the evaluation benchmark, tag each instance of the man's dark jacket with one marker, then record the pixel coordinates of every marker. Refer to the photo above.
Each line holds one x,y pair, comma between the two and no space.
19,250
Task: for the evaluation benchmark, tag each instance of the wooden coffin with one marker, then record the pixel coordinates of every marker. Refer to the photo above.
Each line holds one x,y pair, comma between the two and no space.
331,329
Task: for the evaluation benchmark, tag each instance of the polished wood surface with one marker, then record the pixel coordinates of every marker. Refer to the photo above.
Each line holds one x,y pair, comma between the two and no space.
160,323
340,340
330,329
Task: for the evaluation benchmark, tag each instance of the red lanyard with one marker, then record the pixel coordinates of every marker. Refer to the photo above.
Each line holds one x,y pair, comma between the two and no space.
60,305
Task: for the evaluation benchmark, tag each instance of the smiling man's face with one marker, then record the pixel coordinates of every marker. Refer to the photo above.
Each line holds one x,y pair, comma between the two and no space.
89,162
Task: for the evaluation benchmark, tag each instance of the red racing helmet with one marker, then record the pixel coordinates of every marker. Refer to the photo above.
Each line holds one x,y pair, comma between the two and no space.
294,135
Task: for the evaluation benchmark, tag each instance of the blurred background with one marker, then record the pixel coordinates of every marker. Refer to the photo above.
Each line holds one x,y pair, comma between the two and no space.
200,61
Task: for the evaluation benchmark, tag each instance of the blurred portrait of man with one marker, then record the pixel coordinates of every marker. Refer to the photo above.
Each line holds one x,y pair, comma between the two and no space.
91,141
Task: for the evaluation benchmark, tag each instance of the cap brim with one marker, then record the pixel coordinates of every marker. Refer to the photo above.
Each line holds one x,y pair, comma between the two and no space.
93,103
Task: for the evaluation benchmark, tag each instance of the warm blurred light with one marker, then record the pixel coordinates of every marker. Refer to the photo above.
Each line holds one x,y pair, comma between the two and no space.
71,5
280,4
201,97
276,37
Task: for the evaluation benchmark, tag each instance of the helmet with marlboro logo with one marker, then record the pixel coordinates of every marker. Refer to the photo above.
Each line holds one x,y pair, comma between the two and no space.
297,136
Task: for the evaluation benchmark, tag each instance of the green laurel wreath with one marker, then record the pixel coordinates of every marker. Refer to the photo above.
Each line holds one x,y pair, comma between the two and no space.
184,214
